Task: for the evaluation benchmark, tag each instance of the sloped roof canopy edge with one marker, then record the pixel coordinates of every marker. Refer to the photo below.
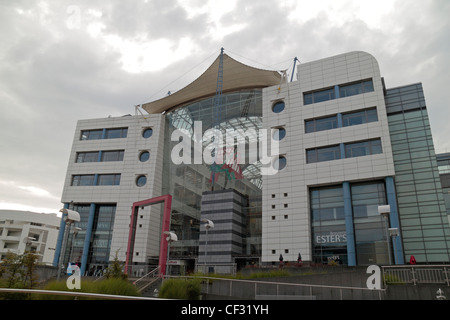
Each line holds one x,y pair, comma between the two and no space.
236,76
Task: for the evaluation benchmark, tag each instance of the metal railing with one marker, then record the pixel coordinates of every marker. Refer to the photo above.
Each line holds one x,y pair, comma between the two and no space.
252,289
146,279
138,271
416,274
224,268
77,294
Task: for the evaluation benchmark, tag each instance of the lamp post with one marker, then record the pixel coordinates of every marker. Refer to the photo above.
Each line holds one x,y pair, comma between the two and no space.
171,237
70,217
74,236
393,232
208,225
27,241
384,211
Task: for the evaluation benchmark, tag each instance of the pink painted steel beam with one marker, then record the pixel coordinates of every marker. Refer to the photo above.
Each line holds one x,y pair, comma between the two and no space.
163,243
167,200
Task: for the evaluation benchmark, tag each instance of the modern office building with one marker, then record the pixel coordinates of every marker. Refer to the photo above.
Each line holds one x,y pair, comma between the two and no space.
304,168
443,161
22,231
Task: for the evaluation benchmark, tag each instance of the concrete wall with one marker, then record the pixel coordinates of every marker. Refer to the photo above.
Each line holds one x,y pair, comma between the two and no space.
333,276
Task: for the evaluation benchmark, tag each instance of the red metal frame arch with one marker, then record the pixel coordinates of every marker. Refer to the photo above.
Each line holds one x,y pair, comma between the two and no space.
167,200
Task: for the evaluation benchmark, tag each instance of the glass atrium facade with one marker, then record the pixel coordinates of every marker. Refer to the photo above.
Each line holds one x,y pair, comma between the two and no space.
187,181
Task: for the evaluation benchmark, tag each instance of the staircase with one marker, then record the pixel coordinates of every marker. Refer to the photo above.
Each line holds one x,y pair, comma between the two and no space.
147,284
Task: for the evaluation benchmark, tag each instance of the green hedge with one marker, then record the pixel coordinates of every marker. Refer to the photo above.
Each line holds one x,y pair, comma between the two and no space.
180,289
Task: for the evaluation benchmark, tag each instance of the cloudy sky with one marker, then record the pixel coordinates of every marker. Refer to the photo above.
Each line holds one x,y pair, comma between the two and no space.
61,61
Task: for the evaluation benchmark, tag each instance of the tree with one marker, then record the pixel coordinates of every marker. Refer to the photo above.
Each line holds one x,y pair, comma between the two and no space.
18,270
115,269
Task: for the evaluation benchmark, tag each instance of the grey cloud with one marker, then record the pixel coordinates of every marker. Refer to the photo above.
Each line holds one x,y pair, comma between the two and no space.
53,75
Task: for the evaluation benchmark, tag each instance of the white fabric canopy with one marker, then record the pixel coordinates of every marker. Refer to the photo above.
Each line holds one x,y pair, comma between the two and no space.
236,76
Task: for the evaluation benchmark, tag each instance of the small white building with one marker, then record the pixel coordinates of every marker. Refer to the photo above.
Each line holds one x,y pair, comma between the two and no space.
22,231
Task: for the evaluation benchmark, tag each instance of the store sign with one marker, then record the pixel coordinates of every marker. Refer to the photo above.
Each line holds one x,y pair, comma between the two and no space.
331,237
176,262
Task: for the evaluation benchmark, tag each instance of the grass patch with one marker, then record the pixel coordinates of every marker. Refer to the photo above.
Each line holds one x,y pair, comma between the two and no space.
269,274
254,275
112,286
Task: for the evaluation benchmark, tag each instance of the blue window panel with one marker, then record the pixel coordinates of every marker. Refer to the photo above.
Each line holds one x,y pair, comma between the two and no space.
116,155
359,117
363,148
147,133
341,91
323,154
279,134
83,180
87,157
108,179
324,95
91,134
310,126
319,96
321,124
116,133
144,156
280,163
372,115
141,181
307,98
278,107
355,88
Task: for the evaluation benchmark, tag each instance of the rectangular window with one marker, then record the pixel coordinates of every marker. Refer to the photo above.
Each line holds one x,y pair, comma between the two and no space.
359,117
87,157
96,134
116,133
93,156
321,124
102,180
116,155
91,134
108,180
363,148
323,154
352,89
83,180
345,90
319,96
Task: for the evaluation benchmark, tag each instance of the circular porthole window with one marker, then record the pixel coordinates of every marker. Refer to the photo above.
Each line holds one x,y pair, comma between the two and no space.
279,163
278,106
144,156
147,133
141,181
279,134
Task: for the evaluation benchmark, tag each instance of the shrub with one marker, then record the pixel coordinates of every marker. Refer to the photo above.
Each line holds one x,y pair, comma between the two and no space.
112,286
181,289
115,286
